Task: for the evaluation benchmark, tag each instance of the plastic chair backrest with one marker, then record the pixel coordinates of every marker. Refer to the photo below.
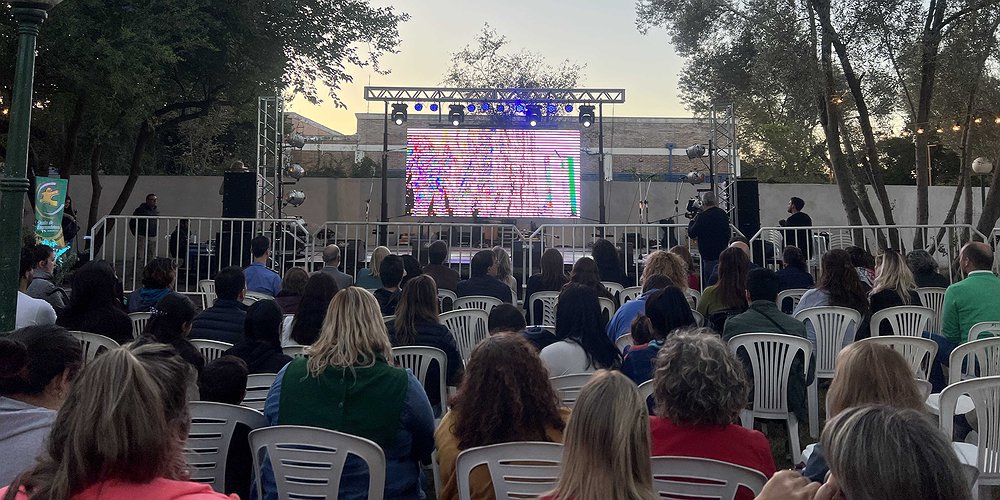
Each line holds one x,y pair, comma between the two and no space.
630,293
834,327
250,297
977,358
623,342
210,349
549,301
208,296
984,330
139,320
295,351
646,389
308,461
918,352
93,344
690,477
906,321
481,302
446,299
258,385
607,307
568,387
418,359
523,469
615,288
933,298
793,294
699,320
985,394
771,356
207,446
693,296
841,240
469,326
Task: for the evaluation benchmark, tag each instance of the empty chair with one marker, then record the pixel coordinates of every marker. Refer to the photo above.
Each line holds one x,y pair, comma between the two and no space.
985,394
977,358
139,320
418,360
918,352
93,344
933,299
689,477
906,321
984,329
630,293
623,342
295,351
208,296
210,349
548,302
469,326
207,448
615,289
446,299
568,387
519,470
481,302
258,384
835,327
793,295
840,240
308,462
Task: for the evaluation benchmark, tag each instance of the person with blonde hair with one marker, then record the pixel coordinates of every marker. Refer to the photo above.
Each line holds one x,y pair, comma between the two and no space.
120,433
894,286
347,383
368,278
694,280
505,269
666,264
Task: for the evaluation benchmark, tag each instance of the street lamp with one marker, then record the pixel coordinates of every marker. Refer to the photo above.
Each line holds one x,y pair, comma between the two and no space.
29,16
982,166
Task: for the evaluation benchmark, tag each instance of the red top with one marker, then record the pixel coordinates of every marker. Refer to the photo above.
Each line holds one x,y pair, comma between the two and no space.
694,282
733,444
157,489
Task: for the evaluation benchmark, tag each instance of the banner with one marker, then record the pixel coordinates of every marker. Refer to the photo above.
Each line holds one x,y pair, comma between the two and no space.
50,200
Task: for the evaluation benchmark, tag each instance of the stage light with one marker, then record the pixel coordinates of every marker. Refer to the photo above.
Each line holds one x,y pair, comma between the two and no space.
533,114
569,108
456,114
978,120
696,151
500,108
485,106
472,108
519,108
295,198
418,107
295,171
694,177
399,113
434,107
920,130
586,115
552,109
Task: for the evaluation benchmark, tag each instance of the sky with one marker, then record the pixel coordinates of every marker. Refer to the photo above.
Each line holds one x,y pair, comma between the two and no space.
601,34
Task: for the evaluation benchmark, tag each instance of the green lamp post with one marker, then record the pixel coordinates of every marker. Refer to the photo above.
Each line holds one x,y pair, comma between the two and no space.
29,16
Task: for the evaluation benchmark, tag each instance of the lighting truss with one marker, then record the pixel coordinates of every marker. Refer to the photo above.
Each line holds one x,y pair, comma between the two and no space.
270,133
723,116
465,95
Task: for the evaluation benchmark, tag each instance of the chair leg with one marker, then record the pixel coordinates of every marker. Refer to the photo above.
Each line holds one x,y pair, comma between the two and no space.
793,438
813,397
746,419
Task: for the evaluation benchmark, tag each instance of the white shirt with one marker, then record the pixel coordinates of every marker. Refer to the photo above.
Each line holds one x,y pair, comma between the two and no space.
564,358
33,312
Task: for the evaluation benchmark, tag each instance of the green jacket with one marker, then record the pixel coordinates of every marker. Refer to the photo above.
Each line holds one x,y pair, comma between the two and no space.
970,301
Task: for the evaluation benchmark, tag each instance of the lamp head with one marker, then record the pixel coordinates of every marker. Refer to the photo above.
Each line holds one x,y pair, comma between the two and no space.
295,198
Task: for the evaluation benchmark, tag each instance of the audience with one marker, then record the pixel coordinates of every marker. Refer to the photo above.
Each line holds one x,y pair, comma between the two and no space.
794,273
551,279
667,264
504,397
641,331
260,347
734,242
666,311
621,322
693,281
346,384
925,270
391,272
37,367
95,305
505,318
483,279
157,281
581,345
411,269
505,270
700,389
585,273
894,286
120,433
292,284
839,285
224,320
30,311
610,264
224,380
259,277
864,264
169,323
445,277
607,445
42,284
331,265
727,298
304,327
368,278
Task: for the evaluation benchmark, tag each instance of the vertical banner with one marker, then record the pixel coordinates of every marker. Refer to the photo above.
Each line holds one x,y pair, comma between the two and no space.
50,200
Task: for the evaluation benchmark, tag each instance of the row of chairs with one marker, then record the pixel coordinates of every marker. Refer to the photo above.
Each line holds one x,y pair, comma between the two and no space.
94,344
932,299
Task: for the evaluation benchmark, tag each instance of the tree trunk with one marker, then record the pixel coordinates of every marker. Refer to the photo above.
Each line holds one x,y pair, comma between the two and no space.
930,42
991,210
142,139
860,188
72,134
95,186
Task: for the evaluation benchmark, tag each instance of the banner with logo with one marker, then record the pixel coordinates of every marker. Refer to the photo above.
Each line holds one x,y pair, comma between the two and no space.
50,201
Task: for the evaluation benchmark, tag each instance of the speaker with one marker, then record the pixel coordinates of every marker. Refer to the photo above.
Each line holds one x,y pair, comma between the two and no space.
239,195
747,206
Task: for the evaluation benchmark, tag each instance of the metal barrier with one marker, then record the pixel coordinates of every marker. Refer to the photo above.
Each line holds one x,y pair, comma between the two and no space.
200,246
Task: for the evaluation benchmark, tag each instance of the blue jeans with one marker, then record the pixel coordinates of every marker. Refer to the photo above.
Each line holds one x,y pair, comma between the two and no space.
945,346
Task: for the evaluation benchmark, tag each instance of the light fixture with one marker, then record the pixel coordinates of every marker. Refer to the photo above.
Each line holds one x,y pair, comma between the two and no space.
837,99
978,120
533,115
418,107
939,129
552,109
982,165
956,127
920,130
696,151
694,177
295,171
295,198
569,108
997,120
399,113
296,140
586,115
456,114
434,107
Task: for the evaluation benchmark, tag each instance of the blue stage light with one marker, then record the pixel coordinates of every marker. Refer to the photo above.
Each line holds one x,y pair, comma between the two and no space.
500,108
519,108
569,108
472,108
434,107
485,106
552,108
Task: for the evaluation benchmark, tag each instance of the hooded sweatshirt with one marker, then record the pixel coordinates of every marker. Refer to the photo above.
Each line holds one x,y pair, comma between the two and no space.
23,430
143,299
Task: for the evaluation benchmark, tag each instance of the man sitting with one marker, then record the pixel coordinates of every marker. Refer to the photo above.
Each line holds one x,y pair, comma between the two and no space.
224,320
259,277
391,272
445,277
483,279
621,323
331,263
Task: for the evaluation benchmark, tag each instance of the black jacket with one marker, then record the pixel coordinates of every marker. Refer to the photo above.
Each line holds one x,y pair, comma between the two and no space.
434,335
931,279
144,227
484,285
222,322
800,237
711,228
109,320
260,356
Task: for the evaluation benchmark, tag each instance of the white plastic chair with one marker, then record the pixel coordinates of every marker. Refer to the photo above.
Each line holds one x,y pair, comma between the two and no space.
794,294
985,329
841,240
771,356
208,296
980,357
646,389
933,298
906,321
624,341
295,351
93,344
549,301
568,387
139,320
690,477
615,288
308,461
607,307
835,328
524,469
446,298
481,302
250,297
630,293
693,296
418,359
985,394
211,350
918,352
469,326
207,448
258,385
699,320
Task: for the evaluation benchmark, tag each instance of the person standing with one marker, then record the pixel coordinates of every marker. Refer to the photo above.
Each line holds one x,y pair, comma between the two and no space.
711,228
145,229
331,263
798,238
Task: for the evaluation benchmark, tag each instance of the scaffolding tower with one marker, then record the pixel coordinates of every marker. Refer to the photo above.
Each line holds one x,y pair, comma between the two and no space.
726,151
270,135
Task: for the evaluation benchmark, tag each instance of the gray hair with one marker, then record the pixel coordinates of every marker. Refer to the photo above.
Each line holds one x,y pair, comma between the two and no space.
709,199
921,262
331,254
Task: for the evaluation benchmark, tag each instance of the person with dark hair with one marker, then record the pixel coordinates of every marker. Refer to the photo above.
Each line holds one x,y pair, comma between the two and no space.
585,273
666,311
621,322
261,344
711,228
610,265
169,323
505,318
411,269
259,277
482,280
157,281
391,271
37,366
95,305
794,273
581,344
224,320
839,285
801,238
864,263
304,327
734,242
291,290
331,265
144,228
551,279
925,270
727,298
505,397
763,316
41,285
30,311
445,277
224,380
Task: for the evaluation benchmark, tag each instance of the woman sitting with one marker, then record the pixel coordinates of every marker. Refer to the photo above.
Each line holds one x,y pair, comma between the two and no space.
504,397
346,384
693,281
585,273
368,278
728,297
610,263
581,345
260,348
839,285
551,279
169,323
700,388
292,285
304,327
666,311
894,286
925,270
95,305
794,273
157,281
505,270
864,265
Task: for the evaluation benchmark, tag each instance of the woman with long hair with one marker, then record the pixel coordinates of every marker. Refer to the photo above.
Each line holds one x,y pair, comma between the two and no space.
666,311
894,286
551,279
95,304
606,454
729,295
304,327
260,348
37,366
505,270
368,277
694,281
120,433
581,345
609,263
839,285
157,281
347,384
292,285
505,396
169,323
585,273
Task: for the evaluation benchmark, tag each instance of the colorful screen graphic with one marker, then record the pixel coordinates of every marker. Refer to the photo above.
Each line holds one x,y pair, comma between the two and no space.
493,173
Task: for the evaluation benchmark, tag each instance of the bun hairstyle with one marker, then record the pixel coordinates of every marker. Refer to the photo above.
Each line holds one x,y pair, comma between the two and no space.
168,317
32,356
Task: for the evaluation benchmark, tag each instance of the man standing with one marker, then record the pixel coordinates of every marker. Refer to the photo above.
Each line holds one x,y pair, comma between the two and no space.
799,238
711,228
444,276
145,229
331,263
483,279
259,277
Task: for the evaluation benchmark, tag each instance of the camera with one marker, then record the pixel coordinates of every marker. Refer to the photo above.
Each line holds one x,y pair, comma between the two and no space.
693,208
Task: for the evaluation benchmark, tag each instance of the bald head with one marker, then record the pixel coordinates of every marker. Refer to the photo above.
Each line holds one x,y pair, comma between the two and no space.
742,246
331,255
976,256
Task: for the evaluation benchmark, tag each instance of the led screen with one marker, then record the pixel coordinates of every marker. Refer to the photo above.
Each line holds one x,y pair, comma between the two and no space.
493,173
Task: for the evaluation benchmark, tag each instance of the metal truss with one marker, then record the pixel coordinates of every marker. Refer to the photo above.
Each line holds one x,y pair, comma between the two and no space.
270,133
524,96
723,117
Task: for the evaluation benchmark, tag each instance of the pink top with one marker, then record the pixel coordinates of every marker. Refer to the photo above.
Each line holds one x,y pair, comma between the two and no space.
157,489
